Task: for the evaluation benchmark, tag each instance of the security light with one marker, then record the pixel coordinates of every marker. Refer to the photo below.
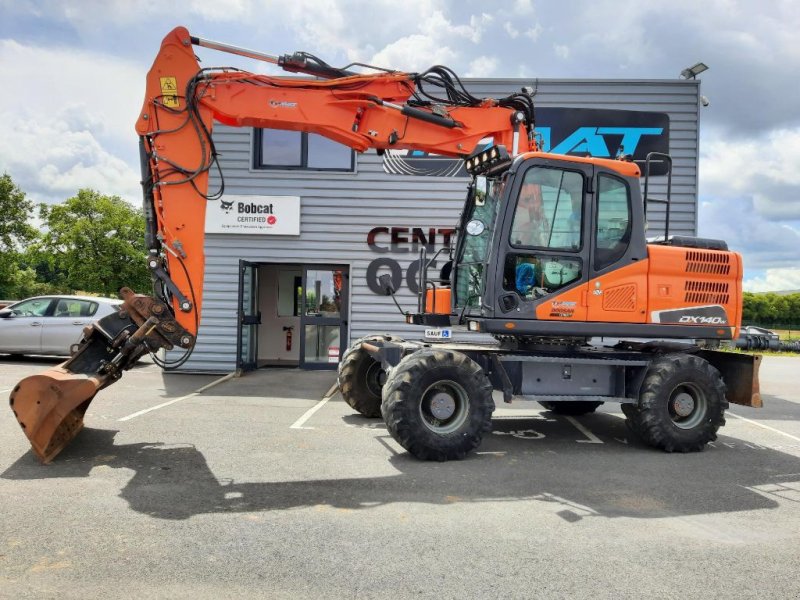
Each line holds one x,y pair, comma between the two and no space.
694,71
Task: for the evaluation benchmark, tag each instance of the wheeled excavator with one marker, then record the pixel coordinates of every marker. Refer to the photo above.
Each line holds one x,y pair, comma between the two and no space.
550,255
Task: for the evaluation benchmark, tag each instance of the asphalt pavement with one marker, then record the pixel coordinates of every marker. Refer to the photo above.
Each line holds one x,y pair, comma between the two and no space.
258,487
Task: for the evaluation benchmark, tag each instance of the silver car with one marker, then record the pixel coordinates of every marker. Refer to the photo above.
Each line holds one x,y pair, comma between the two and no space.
50,324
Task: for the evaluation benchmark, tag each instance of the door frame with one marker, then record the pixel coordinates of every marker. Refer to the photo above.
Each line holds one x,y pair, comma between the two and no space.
342,320
247,316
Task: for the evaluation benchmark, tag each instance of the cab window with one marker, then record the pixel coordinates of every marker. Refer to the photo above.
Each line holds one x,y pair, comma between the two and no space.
613,232
549,209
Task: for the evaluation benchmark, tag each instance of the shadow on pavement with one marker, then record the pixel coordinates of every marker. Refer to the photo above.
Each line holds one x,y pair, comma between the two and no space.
623,480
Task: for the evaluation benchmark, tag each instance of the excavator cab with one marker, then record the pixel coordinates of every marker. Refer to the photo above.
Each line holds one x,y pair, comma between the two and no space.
554,247
543,230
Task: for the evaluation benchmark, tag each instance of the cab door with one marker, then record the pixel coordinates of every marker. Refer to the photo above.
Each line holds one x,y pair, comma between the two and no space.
544,254
617,291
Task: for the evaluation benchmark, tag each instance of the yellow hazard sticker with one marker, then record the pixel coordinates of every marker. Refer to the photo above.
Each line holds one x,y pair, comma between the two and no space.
169,92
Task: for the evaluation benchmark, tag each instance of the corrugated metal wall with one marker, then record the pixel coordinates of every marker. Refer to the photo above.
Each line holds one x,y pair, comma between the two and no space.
339,209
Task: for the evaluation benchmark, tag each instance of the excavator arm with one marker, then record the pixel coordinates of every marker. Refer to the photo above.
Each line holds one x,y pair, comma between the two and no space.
386,110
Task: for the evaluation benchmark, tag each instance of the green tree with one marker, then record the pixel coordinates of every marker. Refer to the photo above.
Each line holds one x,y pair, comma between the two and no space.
96,243
15,234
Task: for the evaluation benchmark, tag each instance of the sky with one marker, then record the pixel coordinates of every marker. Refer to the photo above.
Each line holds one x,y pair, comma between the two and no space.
73,73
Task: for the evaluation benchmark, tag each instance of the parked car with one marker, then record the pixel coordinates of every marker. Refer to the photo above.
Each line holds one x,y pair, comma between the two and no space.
50,324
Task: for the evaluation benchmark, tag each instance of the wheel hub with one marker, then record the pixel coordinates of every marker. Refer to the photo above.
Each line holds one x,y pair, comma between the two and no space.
683,404
443,406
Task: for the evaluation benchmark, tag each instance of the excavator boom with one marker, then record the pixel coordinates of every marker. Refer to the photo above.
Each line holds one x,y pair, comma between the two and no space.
430,112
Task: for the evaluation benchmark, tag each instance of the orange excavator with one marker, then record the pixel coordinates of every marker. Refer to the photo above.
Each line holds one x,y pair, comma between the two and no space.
550,254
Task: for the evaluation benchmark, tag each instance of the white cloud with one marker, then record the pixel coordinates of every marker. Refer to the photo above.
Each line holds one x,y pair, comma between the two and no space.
561,50
523,7
51,161
775,280
483,66
764,244
45,80
763,169
534,32
414,53
86,14
440,27
69,122
512,31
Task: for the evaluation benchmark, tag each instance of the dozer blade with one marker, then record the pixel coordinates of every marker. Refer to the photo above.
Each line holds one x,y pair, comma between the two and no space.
50,407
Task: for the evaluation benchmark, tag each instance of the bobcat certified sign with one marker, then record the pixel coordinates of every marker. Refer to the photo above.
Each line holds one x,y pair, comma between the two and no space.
261,215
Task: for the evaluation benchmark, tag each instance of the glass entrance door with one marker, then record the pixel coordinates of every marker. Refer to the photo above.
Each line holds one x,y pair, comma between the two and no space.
249,317
323,324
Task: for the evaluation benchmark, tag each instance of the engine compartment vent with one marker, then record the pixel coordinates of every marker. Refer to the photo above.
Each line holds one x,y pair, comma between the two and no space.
706,292
620,298
710,263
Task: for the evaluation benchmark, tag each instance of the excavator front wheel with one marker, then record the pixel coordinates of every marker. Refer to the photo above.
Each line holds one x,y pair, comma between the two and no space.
437,404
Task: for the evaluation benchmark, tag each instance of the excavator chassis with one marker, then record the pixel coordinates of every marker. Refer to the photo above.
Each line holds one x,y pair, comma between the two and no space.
50,406
436,398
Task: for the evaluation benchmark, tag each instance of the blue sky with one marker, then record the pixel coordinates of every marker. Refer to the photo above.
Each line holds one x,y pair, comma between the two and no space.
74,73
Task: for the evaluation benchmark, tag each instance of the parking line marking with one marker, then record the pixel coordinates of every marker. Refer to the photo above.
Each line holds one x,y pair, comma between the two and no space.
308,414
192,395
592,438
789,435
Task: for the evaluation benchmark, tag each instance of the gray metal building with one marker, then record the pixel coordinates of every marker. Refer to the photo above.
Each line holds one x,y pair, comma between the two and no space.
349,219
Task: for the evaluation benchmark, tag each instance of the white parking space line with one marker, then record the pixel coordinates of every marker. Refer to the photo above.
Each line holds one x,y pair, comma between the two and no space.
192,395
591,438
756,423
308,414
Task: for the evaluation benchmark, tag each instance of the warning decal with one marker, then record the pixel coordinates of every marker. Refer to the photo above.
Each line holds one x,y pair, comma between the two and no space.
169,92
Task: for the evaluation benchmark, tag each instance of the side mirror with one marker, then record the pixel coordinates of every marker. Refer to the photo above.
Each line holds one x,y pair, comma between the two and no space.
5,313
385,282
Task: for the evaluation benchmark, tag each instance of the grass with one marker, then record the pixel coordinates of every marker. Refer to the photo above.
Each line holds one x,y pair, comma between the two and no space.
788,335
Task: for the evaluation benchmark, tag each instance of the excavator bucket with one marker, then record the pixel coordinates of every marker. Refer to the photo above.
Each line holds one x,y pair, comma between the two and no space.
50,407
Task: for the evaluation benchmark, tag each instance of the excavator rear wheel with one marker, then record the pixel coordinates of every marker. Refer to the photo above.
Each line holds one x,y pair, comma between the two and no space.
361,377
437,404
681,405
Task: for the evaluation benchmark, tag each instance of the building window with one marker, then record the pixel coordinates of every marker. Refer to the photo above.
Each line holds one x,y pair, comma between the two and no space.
279,149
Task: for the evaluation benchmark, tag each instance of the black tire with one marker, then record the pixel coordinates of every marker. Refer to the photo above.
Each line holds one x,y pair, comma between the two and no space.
573,408
437,404
361,377
681,405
